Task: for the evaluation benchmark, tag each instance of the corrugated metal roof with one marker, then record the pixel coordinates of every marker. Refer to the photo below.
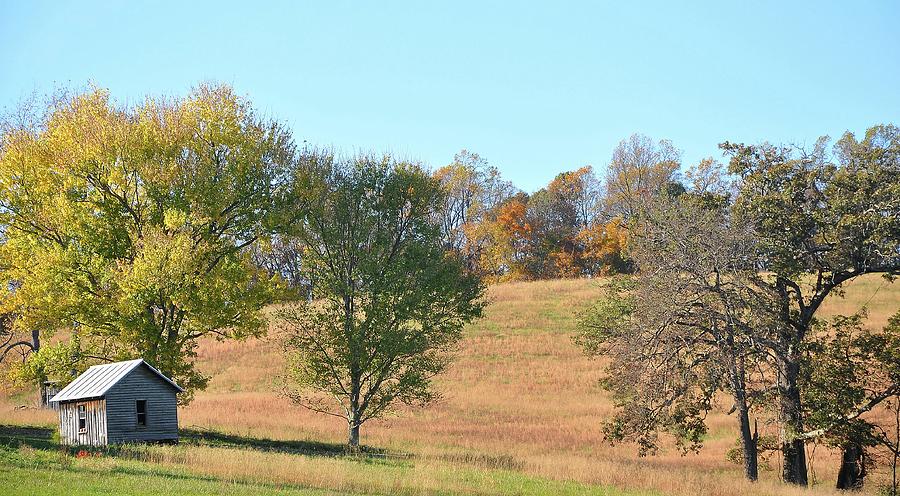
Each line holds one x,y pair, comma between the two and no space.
97,380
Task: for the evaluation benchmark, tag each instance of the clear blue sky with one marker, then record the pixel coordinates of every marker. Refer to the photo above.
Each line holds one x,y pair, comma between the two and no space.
534,89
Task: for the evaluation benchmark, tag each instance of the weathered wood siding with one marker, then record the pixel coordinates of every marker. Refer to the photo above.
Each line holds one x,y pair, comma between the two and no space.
162,408
48,389
94,433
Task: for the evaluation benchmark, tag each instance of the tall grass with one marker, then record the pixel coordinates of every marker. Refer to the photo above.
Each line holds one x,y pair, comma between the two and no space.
520,400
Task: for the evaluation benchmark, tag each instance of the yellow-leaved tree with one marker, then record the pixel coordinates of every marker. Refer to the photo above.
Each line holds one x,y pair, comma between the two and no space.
126,227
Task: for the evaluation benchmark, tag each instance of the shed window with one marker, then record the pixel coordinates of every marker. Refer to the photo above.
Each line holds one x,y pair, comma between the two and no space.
141,409
82,418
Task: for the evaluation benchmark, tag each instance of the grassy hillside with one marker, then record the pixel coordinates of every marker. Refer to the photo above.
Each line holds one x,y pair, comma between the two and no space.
520,414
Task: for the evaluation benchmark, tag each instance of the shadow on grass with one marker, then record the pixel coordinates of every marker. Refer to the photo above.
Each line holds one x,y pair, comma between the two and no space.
37,437
40,437
312,448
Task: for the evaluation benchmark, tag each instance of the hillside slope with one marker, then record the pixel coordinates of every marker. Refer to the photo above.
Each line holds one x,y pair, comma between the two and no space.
520,395
520,398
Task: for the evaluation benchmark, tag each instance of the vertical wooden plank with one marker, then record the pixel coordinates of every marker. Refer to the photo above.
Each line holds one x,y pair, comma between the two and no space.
65,424
105,426
69,437
98,418
90,423
101,422
61,412
78,435
70,433
95,422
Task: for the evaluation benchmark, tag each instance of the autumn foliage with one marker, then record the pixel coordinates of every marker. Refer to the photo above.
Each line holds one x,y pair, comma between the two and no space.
576,226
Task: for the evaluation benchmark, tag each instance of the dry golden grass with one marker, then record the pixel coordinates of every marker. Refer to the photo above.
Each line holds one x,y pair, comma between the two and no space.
520,396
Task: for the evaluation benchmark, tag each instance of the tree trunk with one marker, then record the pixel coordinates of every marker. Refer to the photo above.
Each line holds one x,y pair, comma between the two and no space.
35,341
353,421
791,418
749,444
794,471
853,467
895,449
894,483
749,439
355,370
353,440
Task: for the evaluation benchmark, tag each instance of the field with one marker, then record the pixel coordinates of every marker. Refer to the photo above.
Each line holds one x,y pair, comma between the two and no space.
521,413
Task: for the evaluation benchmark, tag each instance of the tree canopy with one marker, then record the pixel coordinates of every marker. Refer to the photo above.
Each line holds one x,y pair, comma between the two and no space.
126,225
388,301
823,217
685,327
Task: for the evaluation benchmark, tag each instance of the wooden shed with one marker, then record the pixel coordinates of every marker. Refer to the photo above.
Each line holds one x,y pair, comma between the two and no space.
118,403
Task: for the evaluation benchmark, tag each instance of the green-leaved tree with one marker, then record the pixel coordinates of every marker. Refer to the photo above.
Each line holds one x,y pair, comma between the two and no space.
823,217
388,302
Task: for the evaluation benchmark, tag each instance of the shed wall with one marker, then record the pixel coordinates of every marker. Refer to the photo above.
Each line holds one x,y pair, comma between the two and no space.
162,408
95,431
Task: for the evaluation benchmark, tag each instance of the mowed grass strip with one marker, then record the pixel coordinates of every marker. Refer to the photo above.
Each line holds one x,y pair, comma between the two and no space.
177,470
28,471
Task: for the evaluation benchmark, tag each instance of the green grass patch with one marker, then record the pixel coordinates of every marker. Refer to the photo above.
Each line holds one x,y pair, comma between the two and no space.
52,470
35,472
